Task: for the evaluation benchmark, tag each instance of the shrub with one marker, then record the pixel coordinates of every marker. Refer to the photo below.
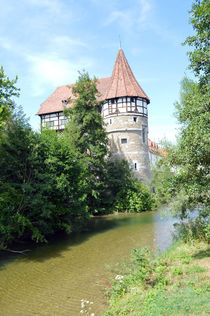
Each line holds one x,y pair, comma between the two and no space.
135,199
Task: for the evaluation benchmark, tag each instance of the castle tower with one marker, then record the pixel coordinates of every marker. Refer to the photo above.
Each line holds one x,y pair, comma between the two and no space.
126,118
124,112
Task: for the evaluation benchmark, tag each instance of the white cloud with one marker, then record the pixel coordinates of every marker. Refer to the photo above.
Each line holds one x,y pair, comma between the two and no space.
139,15
47,16
51,71
67,41
145,10
123,18
54,66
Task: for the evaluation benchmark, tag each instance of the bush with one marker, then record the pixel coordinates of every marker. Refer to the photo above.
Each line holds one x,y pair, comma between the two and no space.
41,190
135,199
198,228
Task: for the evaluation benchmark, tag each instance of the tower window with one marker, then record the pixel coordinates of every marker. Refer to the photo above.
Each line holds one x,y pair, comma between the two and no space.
135,166
123,140
110,121
135,119
139,102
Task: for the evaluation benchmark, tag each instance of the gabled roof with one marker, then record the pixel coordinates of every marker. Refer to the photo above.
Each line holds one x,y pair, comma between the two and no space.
123,82
54,102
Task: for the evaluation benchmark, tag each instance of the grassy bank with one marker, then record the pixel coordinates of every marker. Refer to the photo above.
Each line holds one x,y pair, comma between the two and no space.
176,283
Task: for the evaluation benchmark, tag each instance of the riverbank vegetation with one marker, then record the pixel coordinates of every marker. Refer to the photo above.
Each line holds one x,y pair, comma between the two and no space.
182,178
175,283
52,182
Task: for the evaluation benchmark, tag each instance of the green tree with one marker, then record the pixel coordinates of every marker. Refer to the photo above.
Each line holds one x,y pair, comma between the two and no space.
85,130
134,198
7,91
51,182
41,184
88,138
185,171
200,56
109,184
162,181
187,178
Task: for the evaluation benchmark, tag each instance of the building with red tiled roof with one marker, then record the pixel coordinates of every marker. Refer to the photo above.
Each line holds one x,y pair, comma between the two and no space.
58,99
155,152
124,111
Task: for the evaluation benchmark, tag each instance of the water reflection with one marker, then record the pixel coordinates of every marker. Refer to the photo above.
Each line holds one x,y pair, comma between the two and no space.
52,279
163,226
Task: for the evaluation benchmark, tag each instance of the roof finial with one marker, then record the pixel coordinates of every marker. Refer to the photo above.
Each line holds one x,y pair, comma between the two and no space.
120,41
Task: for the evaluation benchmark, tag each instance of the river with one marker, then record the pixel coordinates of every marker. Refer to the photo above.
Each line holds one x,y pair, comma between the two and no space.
51,280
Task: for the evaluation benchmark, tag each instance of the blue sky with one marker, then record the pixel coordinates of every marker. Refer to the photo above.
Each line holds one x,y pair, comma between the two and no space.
46,42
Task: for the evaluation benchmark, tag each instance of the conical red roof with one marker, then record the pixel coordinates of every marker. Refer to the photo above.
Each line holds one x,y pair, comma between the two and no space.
123,83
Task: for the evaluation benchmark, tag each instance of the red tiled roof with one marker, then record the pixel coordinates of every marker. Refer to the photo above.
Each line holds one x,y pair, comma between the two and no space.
54,102
152,144
123,82
154,149
102,85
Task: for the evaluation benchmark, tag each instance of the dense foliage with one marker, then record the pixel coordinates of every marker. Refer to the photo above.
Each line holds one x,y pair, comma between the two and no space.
41,190
200,56
109,184
87,137
185,171
7,91
184,174
133,198
53,182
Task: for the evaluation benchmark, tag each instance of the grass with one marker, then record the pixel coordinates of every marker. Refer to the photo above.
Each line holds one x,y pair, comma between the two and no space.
176,283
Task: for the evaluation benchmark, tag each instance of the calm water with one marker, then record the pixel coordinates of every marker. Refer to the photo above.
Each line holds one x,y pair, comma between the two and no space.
51,280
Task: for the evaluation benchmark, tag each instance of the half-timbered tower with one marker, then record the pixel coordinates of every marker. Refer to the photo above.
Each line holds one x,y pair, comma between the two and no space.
124,111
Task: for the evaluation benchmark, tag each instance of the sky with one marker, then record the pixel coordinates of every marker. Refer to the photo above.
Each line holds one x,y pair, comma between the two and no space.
46,42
